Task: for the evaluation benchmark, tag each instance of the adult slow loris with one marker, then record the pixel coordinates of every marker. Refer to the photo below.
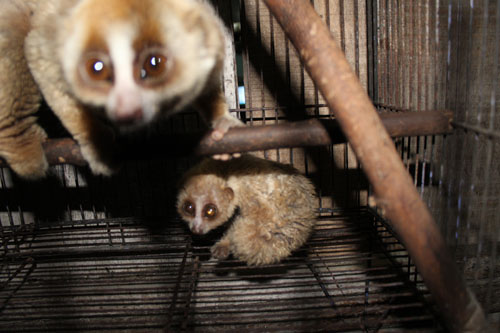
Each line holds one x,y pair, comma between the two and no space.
103,66
271,207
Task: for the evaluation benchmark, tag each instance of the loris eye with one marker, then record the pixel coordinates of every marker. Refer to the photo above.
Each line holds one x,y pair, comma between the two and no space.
98,70
153,66
210,211
189,208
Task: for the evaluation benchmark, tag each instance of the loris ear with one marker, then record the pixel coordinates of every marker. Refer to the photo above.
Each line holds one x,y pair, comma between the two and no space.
229,193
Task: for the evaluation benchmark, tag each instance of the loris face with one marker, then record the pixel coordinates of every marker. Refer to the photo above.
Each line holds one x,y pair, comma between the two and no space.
205,203
132,58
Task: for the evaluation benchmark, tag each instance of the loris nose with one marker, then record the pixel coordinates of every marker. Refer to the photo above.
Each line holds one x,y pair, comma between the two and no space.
197,229
127,108
126,116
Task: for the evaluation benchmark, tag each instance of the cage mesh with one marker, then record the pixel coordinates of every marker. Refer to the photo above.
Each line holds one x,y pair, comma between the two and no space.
142,274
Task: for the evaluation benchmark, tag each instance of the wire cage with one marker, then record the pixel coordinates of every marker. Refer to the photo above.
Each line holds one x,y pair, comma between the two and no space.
89,253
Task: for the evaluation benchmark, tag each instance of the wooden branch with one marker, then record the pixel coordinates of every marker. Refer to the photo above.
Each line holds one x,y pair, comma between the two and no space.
394,191
315,132
305,133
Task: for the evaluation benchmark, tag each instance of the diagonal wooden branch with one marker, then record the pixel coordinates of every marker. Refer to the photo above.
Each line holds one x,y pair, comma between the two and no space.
394,191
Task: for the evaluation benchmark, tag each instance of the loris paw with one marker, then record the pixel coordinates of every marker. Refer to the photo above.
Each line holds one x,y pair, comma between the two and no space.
24,153
226,157
220,128
220,251
30,167
97,164
100,149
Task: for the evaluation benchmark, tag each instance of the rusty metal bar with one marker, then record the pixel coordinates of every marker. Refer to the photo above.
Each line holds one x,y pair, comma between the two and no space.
393,188
311,132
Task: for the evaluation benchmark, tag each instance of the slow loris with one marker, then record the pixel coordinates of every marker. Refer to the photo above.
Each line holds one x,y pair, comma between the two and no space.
271,207
104,66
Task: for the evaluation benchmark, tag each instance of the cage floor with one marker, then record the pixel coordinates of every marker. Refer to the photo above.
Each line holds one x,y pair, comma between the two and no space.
151,275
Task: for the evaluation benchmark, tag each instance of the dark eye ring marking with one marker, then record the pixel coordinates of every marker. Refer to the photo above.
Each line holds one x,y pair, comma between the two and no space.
189,208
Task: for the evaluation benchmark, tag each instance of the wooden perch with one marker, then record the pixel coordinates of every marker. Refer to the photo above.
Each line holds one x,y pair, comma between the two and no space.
305,133
394,190
316,132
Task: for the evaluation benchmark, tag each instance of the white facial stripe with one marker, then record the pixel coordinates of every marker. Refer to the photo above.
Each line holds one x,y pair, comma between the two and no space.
125,97
122,54
199,221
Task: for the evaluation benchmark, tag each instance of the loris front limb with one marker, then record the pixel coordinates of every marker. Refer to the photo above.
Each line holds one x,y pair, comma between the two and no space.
258,237
213,107
256,241
221,249
20,137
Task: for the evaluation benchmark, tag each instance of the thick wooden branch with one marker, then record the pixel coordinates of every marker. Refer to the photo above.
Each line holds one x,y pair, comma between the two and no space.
315,132
394,191
306,133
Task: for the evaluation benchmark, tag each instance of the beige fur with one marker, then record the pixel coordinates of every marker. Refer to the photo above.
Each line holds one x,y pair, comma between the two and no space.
276,207
60,33
20,136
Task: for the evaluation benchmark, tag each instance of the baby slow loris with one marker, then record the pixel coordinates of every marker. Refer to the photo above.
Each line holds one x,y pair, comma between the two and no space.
271,205
104,66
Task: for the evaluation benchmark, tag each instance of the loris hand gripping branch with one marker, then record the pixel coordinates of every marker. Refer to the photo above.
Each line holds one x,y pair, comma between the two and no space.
103,66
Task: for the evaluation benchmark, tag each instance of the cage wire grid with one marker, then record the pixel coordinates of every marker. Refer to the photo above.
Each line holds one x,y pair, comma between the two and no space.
83,253
115,274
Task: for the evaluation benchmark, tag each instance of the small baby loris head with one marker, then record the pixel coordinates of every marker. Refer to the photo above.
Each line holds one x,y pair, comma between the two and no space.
134,58
205,203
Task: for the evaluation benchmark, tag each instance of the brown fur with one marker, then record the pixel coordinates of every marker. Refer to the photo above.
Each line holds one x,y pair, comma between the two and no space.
120,10
276,207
